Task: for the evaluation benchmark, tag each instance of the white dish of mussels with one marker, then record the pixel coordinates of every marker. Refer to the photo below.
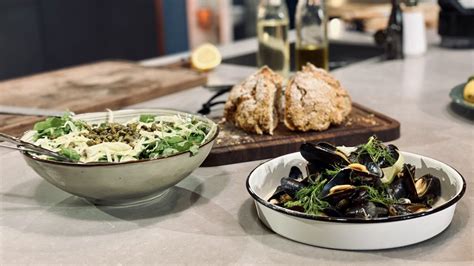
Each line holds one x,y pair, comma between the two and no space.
360,198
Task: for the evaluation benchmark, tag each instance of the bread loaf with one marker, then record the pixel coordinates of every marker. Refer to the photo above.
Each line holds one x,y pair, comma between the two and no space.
253,104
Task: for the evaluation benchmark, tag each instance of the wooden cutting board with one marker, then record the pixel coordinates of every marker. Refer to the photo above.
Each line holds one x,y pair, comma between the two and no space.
89,88
234,145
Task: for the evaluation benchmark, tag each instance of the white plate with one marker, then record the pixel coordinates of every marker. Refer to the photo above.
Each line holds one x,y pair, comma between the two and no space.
353,233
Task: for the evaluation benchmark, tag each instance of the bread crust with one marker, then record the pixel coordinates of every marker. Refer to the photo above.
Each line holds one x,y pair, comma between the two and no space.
314,100
253,104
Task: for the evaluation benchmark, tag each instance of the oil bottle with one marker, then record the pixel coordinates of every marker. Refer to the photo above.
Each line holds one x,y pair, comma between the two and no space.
311,34
272,32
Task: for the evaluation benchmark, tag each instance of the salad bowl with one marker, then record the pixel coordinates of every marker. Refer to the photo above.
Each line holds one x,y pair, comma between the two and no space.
123,183
354,233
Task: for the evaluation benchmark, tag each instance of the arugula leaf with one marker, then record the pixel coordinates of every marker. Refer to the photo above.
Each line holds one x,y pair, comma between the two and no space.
173,140
70,153
53,127
147,118
49,123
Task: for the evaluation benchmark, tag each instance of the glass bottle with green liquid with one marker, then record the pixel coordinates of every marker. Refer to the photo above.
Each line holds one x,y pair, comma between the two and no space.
272,32
311,34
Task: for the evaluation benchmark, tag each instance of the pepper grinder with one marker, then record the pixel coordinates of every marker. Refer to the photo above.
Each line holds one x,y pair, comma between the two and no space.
414,33
394,33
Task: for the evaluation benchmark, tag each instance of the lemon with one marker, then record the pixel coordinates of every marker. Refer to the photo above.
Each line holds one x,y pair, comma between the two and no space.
205,57
469,90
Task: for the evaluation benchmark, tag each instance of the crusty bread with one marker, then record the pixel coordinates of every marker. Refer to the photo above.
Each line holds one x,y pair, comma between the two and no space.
314,100
253,104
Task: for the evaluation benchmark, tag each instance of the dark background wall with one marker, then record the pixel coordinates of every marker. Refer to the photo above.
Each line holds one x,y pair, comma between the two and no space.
41,35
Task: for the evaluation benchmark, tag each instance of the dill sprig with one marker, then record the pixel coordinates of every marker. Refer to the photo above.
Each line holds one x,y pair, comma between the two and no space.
331,172
376,150
308,198
378,196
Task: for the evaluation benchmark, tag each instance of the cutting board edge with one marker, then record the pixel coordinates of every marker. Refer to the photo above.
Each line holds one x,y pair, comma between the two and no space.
389,131
217,158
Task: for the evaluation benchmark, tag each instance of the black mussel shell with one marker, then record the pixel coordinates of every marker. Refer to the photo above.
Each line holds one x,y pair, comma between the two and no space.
295,173
323,154
374,169
352,176
340,196
393,151
367,210
360,196
360,176
404,209
279,197
341,178
428,188
314,170
332,212
404,185
291,186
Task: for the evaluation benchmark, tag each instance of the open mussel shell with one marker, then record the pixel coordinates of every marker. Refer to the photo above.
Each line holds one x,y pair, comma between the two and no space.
353,174
288,187
403,186
279,197
428,187
323,154
373,169
295,173
404,209
340,196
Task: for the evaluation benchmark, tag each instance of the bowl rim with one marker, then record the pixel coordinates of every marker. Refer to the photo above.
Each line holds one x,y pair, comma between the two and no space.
302,215
106,164
458,89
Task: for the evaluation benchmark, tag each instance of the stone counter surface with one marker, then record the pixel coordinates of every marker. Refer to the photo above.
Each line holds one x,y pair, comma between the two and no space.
209,218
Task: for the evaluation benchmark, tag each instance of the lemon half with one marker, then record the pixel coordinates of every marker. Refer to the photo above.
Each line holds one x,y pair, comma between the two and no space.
205,57
469,90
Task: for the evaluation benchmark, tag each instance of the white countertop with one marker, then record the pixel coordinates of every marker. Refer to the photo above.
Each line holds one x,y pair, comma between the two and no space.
210,218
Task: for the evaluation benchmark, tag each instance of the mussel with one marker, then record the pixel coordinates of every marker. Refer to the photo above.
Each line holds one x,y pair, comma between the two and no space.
291,186
404,209
339,196
365,184
323,154
428,187
367,210
288,187
295,173
404,185
353,174
279,197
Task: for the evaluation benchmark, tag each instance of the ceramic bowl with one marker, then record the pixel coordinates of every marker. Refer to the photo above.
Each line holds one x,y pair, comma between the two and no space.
127,182
353,233
457,96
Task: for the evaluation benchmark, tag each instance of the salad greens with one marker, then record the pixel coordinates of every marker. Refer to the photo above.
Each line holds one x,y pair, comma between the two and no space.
54,127
147,118
70,153
146,137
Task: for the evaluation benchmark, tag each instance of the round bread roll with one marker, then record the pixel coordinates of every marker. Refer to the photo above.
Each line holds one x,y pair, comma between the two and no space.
253,104
314,100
